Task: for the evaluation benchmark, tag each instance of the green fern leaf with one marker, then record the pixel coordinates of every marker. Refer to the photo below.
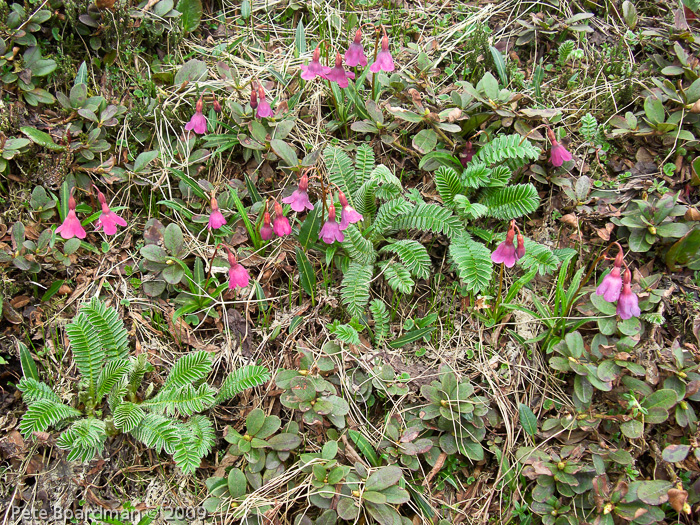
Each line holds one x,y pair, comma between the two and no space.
88,352
499,176
203,431
413,255
389,185
357,247
398,277
116,395
354,290
190,368
448,184
347,334
364,164
112,373
380,315
365,199
511,202
112,334
85,439
246,377
387,215
589,127
159,433
507,148
340,171
540,257
185,400
33,390
139,367
476,175
430,217
467,210
185,455
127,416
43,414
472,261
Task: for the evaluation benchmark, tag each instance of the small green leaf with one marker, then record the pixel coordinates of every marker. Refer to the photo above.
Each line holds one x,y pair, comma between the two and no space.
365,447
41,138
307,276
425,141
191,14
527,419
414,335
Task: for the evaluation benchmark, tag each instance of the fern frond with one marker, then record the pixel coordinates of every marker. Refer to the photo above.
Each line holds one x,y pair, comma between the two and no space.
112,333
186,456
499,176
354,290
88,352
507,148
127,416
112,373
117,394
340,171
185,400
33,390
448,184
387,215
139,367
540,257
472,261
467,210
430,217
357,247
380,315
190,368
85,439
347,334
413,255
364,164
203,431
158,432
246,377
476,175
589,127
389,185
398,277
365,199
43,414
511,202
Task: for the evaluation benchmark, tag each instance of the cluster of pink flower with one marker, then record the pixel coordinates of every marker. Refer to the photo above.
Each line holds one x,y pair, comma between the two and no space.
507,253
618,288
354,56
108,220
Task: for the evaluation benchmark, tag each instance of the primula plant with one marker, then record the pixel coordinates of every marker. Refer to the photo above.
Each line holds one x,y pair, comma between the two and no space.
168,420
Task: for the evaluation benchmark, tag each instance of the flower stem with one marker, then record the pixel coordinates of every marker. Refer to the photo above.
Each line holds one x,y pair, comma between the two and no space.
500,288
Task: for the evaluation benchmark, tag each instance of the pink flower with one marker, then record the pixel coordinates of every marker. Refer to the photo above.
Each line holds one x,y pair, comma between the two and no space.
198,122
611,286
506,253
299,200
266,232
628,303
71,226
237,274
348,214
264,109
315,69
217,106
108,220
558,155
355,55
338,73
281,225
330,232
216,218
384,60
520,250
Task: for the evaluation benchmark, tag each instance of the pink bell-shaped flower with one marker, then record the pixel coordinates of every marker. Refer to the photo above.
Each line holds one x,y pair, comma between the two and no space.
264,108
520,250
506,252
299,200
355,55
108,220
628,303
558,155
330,231
237,274
348,214
314,68
71,226
266,231
612,283
384,61
466,155
198,122
216,218
338,73
281,225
